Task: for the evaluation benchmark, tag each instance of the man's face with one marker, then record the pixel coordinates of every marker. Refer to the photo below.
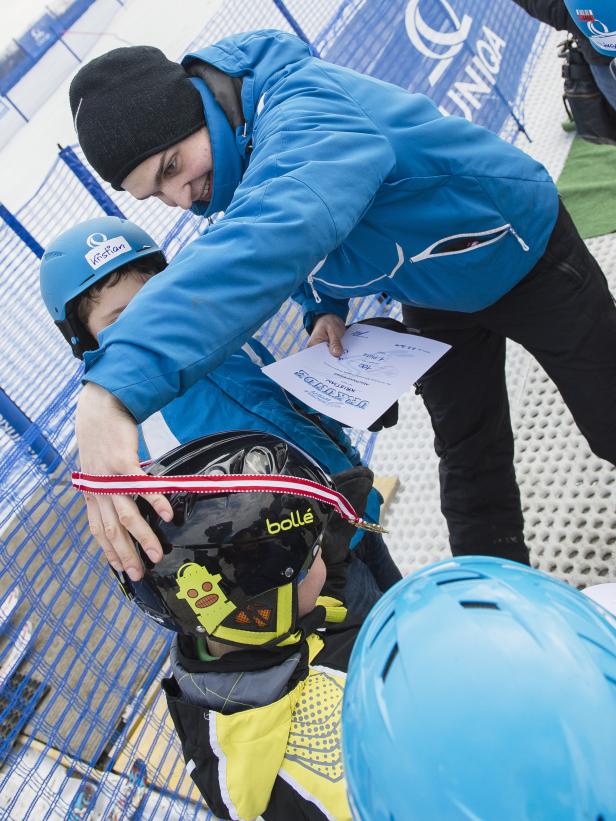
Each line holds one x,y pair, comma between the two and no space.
178,176
111,302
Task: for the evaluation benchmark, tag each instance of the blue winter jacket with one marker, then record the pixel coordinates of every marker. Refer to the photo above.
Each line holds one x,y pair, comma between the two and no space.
238,396
353,186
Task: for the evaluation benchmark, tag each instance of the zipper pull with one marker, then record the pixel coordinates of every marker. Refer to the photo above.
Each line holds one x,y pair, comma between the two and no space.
519,238
315,293
310,279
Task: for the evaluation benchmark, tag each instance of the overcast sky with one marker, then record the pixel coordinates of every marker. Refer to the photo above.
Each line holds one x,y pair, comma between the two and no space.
16,16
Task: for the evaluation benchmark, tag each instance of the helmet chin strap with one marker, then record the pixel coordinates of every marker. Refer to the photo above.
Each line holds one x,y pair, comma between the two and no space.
276,609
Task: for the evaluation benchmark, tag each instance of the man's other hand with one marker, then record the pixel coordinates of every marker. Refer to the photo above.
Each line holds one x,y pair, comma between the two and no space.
328,328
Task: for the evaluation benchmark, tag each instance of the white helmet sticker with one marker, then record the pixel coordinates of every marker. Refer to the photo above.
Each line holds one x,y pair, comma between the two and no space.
104,250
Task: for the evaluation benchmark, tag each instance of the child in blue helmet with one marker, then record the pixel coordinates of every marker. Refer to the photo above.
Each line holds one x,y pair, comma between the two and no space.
89,275
482,689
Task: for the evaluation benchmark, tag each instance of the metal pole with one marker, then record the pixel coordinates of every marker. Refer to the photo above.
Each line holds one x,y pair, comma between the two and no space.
294,24
89,182
22,232
17,109
23,426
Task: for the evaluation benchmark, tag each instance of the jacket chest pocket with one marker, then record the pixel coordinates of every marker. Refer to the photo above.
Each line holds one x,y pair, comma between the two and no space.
466,243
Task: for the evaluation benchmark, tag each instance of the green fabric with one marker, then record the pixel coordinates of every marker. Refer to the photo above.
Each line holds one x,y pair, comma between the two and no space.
202,650
588,187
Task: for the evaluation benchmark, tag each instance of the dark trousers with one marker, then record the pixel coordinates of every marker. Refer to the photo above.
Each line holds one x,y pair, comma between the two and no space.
562,312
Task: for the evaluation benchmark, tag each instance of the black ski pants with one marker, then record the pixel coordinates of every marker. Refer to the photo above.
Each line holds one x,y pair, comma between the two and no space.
562,312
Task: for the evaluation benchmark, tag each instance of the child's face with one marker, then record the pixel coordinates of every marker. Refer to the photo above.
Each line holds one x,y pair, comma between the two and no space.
178,176
111,302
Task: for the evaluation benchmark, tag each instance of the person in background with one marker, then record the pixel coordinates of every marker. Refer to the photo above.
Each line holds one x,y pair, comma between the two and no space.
556,14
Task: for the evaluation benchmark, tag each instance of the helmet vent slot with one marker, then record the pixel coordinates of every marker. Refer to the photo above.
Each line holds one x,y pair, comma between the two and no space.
480,605
390,660
597,645
461,577
382,627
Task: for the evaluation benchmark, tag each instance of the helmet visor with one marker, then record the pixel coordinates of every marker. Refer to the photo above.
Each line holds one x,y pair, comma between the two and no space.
256,567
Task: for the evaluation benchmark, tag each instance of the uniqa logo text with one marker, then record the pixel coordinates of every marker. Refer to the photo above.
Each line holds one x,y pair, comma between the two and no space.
480,72
295,520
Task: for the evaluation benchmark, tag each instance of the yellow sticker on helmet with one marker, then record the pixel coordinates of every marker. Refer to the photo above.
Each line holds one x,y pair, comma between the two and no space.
200,589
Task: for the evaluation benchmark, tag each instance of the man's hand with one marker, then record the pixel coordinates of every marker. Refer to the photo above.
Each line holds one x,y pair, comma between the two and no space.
328,328
108,444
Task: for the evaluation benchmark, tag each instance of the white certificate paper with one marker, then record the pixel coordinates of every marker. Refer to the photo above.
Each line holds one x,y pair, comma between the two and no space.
376,368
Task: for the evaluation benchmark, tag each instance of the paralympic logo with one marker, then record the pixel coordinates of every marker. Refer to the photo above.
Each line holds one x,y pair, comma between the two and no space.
602,37
95,239
435,43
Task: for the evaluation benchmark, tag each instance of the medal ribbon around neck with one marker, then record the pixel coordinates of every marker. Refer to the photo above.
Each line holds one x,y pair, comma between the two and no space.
130,485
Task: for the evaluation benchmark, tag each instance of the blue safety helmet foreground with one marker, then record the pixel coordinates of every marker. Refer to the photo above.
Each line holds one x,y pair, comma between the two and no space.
79,257
482,689
596,19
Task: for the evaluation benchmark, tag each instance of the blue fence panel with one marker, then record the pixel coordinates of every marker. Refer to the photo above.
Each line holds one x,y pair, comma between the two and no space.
467,56
14,63
39,38
66,14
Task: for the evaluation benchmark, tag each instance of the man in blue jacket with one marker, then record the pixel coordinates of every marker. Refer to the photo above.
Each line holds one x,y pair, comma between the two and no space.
334,185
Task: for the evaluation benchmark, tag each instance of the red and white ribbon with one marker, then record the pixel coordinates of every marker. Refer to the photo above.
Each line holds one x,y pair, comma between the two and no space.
231,483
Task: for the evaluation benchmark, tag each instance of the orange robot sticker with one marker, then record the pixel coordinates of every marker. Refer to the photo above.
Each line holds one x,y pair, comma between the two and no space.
200,589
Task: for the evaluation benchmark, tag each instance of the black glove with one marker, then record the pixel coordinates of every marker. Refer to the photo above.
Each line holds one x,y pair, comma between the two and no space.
355,484
390,417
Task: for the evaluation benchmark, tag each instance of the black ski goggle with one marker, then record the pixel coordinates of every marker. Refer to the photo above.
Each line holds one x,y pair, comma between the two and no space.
252,569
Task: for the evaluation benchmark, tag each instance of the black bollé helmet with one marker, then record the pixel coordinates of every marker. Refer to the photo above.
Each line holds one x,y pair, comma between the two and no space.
233,558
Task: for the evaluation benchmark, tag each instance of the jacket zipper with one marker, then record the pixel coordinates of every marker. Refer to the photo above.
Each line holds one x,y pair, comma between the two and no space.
317,268
425,254
498,232
519,238
310,279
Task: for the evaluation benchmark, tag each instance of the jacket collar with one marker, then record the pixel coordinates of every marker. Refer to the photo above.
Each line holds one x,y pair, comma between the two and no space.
229,160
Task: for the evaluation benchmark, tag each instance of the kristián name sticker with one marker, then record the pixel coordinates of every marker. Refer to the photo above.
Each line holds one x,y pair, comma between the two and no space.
106,251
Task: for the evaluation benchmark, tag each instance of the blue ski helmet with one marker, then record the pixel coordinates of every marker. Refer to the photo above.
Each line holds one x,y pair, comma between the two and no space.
480,688
81,256
597,21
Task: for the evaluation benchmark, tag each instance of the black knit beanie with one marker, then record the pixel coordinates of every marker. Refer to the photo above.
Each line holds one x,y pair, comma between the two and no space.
129,104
